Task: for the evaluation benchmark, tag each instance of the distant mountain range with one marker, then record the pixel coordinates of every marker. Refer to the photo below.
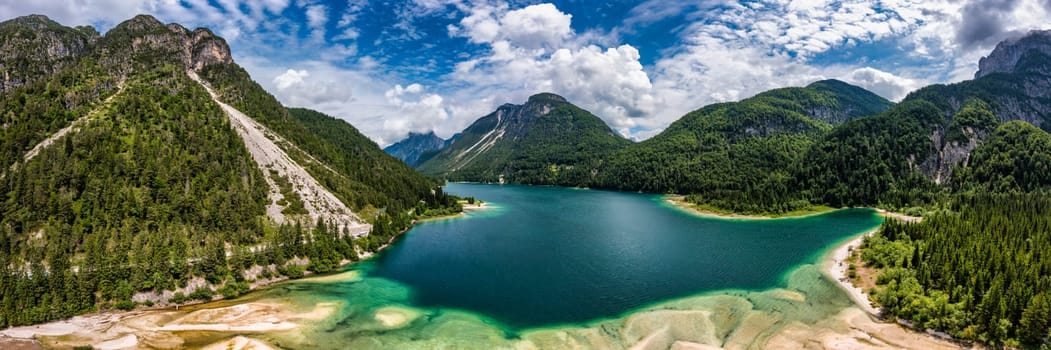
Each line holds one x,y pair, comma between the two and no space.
781,150
418,148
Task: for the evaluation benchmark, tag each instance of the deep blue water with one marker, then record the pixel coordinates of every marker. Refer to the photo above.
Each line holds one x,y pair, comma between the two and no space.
547,255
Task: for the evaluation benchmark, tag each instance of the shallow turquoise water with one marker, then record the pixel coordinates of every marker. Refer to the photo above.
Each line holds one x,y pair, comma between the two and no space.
547,255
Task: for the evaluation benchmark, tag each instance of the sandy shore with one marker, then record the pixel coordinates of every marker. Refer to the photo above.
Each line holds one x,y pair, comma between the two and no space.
898,216
680,202
835,266
162,328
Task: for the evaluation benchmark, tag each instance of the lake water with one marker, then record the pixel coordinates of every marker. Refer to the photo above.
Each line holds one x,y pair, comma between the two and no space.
550,255
548,258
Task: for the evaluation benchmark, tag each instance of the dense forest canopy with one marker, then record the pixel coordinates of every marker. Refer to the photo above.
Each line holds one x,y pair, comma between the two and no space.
979,271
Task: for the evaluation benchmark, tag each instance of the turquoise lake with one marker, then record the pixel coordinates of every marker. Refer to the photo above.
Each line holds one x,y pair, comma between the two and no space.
551,267
550,255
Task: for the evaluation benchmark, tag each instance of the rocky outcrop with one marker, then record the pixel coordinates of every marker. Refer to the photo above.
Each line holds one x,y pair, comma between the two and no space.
948,154
206,49
173,43
1006,56
33,47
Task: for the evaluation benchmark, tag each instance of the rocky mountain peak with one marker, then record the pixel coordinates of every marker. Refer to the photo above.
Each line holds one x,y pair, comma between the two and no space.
141,23
149,37
417,147
34,46
1007,54
546,97
178,28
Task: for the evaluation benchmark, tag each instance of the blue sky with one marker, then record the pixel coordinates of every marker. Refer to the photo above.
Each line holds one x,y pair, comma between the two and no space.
391,67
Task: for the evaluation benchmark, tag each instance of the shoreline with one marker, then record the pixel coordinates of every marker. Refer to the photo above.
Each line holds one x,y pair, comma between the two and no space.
860,320
466,208
835,265
97,323
679,201
893,215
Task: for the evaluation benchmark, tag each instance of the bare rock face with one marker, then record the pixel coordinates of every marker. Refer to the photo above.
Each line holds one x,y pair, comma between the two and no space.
149,37
950,154
207,49
1018,75
1008,53
33,47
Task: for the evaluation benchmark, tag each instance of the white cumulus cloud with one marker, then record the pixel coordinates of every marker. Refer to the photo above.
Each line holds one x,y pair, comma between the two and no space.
290,78
529,53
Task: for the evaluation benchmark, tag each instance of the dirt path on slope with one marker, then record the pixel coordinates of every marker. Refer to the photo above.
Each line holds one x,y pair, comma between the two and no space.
71,127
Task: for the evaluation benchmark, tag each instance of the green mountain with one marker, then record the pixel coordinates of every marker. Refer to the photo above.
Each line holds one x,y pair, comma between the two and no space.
971,155
740,156
127,179
905,157
547,140
1016,157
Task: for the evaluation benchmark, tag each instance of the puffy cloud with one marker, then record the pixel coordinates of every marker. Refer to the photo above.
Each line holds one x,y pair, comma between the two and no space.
532,27
417,111
885,84
536,26
298,87
982,21
529,53
290,78
383,112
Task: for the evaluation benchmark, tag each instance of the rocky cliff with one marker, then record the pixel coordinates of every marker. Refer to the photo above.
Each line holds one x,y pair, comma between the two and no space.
1006,56
1013,83
33,47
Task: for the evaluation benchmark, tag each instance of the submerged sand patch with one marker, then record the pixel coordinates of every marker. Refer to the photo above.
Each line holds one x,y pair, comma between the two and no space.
238,343
348,276
167,329
811,312
393,317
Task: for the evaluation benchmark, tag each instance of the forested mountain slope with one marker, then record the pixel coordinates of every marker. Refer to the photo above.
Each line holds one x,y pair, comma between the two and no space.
125,182
906,156
977,267
545,141
740,156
